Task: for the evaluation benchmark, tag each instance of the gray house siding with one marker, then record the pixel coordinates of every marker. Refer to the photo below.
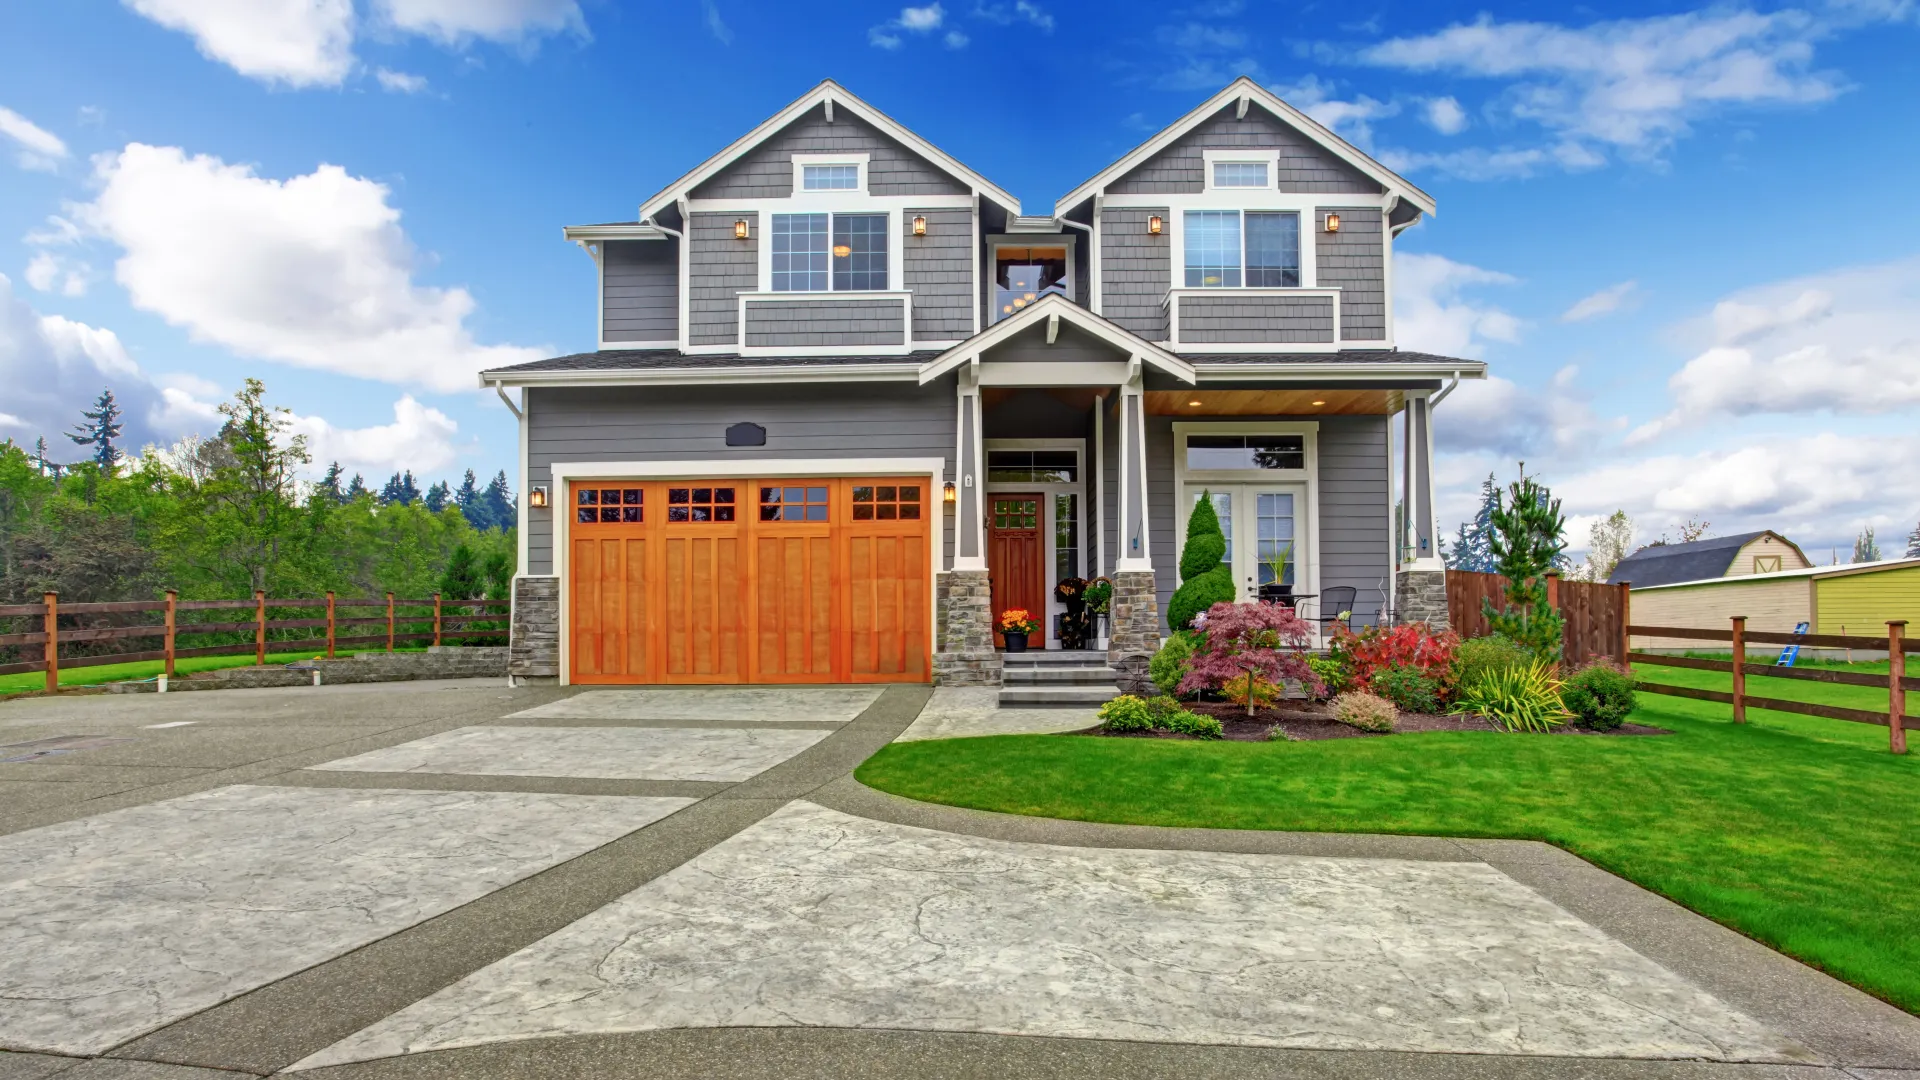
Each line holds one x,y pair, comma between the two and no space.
1253,318
824,322
689,422
1304,164
1354,261
641,290
719,269
766,172
939,273
1135,270
1072,345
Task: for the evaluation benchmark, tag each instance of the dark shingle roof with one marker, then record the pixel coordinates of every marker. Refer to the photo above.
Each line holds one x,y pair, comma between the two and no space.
1344,356
1665,564
656,359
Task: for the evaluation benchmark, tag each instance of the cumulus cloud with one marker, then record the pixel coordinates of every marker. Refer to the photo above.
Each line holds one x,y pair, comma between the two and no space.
420,438
313,271
35,147
48,272
911,20
1604,302
456,22
400,82
1444,115
52,367
1434,311
1350,119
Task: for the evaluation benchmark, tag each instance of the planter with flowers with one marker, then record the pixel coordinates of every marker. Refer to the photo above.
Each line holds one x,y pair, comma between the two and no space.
1015,624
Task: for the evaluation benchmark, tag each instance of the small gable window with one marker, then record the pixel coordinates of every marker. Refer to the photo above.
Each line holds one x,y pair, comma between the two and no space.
1239,174
1226,249
830,177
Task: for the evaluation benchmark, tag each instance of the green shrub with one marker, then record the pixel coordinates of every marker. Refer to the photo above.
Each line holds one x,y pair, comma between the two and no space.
1357,708
1333,674
1172,662
1276,733
1599,696
1409,688
1516,698
1204,579
1193,724
1126,713
1480,655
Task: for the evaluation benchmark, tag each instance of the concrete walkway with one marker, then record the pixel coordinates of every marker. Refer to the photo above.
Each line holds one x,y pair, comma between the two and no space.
539,883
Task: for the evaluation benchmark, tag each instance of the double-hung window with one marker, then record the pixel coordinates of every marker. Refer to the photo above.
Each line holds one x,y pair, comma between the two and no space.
1226,249
822,252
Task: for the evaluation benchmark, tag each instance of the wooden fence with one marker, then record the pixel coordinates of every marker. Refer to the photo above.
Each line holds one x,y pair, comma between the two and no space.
1595,612
1896,681
393,621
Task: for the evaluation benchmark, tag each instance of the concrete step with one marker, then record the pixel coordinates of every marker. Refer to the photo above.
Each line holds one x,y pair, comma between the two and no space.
1028,697
1016,676
1056,658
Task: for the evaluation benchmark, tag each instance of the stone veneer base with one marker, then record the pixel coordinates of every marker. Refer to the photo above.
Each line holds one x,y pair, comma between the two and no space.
535,649
1135,614
1421,596
963,619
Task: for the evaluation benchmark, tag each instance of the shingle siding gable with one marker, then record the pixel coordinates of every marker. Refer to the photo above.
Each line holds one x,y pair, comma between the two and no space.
1305,165
766,171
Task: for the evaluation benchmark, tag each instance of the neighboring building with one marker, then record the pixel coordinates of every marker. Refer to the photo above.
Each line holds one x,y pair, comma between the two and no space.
811,337
1857,598
1763,552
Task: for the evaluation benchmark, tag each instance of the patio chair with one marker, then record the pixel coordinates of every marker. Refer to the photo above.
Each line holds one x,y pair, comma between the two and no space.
1335,606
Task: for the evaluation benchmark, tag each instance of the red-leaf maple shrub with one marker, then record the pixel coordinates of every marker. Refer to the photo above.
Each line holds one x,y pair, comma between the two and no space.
1377,648
1266,640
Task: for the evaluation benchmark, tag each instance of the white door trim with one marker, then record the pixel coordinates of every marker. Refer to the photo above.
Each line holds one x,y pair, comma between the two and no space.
1049,560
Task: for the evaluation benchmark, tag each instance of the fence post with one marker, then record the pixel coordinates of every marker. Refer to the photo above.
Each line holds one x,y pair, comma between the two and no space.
260,627
173,602
1626,620
1739,669
329,624
389,622
1896,688
436,620
53,642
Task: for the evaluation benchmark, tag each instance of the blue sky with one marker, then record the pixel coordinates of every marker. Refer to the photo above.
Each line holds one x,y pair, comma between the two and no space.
1678,233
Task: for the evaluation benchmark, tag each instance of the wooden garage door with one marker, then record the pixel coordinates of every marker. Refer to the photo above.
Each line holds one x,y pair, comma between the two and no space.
770,581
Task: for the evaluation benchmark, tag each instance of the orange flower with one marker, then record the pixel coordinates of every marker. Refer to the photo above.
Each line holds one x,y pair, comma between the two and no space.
1017,621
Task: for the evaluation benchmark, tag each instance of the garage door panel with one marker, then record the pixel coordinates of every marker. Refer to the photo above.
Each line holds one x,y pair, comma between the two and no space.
887,599
793,590
702,627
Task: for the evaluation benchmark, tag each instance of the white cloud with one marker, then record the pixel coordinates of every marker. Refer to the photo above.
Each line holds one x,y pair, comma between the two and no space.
1845,343
955,39
1479,163
48,272
715,24
1500,417
1433,313
92,115
455,22
39,149
53,367
289,42
1019,11
313,271
1604,302
1351,120
400,82
1444,115
911,20
59,230
420,438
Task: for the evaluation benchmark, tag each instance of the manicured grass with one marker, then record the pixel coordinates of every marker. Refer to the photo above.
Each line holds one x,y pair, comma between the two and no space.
1801,832
146,669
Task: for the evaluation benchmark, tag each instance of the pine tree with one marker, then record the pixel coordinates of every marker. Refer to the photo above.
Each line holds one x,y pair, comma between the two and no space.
46,466
467,498
462,579
100,430
1473,546
357,488
1865,548
1528,540
498,503
436,499
1913,543
400,490
328,486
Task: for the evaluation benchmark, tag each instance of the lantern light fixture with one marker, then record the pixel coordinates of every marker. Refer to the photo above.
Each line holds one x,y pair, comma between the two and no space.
1154,225
740,229
919,224
1333,223
948,494
537,496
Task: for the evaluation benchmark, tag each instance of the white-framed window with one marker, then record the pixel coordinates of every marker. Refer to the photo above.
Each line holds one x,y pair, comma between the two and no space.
1242,170
830,178
829,252
1228,249
1240,174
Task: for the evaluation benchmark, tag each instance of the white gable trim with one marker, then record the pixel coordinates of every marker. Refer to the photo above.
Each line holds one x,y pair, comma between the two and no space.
1246,90
831,94
1054,307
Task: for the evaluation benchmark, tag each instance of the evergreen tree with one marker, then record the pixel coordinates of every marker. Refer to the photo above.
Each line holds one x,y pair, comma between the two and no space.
357,487
47,467
436,499
1913,543
250,508
1205,579
400,490
497,503
462,579
328,486
467,498
1528,540
1473,546
1865,548
100,430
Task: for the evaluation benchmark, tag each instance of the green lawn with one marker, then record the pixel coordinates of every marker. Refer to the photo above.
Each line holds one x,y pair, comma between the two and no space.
1801,832
147,669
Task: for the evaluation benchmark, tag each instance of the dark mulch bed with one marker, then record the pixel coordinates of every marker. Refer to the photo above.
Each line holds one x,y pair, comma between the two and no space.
1305,721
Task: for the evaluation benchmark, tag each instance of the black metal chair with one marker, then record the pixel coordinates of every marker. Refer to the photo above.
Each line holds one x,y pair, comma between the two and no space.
1335,606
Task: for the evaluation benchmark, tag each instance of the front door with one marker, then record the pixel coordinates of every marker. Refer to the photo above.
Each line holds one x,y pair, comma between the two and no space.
1016,559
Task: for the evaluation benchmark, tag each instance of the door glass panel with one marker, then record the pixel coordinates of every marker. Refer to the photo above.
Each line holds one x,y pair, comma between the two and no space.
1033,466
1274,518
1066,537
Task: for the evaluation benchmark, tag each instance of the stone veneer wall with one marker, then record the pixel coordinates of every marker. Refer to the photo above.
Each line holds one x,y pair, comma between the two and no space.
963,620
535,650
1135,616
438,662
1421,596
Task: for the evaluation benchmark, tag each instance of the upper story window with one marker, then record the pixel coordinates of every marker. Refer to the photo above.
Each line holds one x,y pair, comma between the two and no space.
829,177
1240,174
1226,249
1022,275
821,252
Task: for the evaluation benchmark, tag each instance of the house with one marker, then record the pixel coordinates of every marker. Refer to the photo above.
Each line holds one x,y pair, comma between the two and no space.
1763,552
851,399
1857,599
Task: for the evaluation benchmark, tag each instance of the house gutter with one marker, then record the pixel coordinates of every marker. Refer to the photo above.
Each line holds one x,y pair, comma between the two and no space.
1444,391
501,389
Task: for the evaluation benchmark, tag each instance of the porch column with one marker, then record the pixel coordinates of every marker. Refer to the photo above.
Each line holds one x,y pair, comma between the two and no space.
1420,586
1135,608
963,653
969,522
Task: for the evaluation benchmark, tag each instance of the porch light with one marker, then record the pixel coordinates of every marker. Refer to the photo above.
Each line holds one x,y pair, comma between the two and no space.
1195,404
1333,223
1154,225
740,229
1319,403
919,225
948,494
537,496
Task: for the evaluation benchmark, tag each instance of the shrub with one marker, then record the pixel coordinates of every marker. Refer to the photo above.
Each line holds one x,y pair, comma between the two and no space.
1204,579
1126,713
1264,693
1516,698
1379,647
1409,688
1193,724
1266,640
1599,696
1172,662
1357,708
1332,673
1276,733
1477,656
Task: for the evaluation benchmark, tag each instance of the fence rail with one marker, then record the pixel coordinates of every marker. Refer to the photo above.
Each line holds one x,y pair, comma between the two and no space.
397,625
1897,682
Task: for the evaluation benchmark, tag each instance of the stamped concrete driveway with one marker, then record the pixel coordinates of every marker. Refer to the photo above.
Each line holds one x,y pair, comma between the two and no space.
439,880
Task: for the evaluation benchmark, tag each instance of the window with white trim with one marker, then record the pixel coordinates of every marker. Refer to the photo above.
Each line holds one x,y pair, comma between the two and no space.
830,178
1226,249
822,252
1240,174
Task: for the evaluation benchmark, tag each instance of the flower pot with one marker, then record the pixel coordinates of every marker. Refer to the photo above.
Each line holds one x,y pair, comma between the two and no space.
1277,594
1016,641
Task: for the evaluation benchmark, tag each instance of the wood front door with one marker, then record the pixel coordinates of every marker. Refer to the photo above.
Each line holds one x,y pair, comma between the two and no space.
1015,550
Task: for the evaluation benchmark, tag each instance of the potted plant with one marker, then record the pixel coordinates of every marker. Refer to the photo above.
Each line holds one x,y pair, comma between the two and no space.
1075,625
1098,596
1015,625
1279,590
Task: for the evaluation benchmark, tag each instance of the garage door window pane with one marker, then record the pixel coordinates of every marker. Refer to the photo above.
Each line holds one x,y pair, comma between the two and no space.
793,504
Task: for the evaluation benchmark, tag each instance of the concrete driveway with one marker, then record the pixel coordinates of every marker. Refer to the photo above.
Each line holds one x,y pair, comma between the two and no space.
463,880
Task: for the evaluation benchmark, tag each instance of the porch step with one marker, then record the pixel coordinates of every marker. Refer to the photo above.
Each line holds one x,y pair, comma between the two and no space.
1057,678
1082,696
1051,675
1055,658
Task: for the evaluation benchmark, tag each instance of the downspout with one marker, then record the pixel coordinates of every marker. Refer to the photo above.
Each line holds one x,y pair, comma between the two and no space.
1441,396
508,402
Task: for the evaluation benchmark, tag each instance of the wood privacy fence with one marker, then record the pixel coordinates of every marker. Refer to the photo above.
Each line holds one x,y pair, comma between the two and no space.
1737,635
1595,612
141,624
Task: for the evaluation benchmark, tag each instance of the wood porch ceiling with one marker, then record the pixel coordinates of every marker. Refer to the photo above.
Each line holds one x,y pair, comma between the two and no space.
1274,402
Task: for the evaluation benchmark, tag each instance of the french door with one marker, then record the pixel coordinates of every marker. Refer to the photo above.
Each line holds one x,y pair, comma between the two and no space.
1265,531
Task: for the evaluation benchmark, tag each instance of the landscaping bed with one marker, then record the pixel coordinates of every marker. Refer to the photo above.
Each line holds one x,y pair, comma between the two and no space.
1305,721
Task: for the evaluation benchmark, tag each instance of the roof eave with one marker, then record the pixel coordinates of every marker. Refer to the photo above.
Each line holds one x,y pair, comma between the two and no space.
783,373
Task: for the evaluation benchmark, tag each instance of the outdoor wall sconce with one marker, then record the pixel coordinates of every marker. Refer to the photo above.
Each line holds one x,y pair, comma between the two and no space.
949,495
537,496
1154,225
919,225
740,229
1333,223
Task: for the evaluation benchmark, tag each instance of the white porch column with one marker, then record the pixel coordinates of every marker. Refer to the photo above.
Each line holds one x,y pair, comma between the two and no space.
969,522
1423,549
1136,541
